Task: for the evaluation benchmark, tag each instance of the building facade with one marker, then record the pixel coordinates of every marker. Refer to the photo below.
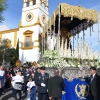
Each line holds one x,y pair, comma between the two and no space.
34,16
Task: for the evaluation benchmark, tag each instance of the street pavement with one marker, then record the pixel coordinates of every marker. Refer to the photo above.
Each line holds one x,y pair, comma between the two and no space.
8,95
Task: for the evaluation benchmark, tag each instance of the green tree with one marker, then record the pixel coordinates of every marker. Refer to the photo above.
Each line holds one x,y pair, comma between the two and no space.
3,7
10,55
1,58
3,46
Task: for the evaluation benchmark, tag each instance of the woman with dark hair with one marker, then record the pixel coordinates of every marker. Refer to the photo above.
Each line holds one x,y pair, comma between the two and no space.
7,77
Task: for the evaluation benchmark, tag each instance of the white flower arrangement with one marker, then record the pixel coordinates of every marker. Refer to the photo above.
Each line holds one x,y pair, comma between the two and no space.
56,59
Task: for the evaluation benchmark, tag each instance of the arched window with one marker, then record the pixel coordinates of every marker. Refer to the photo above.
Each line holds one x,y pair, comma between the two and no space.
34,2
28,43
27,5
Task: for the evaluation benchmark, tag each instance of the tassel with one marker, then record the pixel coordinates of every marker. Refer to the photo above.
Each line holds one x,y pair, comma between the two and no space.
92,29
78,36
71,17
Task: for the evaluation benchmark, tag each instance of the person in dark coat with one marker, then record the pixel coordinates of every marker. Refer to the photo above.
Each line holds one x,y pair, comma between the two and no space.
95,84
37,71
41,81
56,86
26,75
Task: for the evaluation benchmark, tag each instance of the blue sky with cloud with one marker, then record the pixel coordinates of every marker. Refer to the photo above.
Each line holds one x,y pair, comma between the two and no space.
13,14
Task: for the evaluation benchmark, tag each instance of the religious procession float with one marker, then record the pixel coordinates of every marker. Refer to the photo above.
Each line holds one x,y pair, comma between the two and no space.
60,33
58,48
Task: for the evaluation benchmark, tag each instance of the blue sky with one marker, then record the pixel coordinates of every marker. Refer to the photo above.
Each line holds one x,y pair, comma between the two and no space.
13,13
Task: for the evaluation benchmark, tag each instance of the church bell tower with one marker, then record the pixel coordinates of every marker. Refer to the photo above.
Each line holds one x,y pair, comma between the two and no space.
34,17
33,10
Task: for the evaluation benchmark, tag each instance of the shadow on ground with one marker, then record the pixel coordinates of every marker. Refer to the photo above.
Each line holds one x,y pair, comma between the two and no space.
8,95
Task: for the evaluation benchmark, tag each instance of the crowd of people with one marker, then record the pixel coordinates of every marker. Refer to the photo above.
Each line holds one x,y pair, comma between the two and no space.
36,84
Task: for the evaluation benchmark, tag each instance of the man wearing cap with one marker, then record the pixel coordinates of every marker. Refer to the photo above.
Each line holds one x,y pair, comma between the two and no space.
26,75
41,81
95,84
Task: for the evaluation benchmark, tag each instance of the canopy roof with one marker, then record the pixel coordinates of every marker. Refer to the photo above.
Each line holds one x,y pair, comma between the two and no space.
70,17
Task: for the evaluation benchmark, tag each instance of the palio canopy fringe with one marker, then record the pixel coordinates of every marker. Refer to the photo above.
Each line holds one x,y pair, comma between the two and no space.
69,12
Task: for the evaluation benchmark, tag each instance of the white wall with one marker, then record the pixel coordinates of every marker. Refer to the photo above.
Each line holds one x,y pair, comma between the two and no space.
29,55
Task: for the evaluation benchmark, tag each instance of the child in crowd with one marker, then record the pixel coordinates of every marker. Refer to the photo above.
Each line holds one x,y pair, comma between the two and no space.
31,90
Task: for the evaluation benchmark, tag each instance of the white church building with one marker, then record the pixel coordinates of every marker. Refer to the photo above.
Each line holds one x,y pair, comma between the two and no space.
34,17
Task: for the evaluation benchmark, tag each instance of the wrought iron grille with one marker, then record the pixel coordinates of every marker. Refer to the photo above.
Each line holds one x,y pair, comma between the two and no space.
27,44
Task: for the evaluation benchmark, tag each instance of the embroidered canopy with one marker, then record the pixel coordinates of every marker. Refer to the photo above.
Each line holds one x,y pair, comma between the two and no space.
70,17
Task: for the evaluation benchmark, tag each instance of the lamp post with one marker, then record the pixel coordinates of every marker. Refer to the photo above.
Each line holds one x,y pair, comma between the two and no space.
3,63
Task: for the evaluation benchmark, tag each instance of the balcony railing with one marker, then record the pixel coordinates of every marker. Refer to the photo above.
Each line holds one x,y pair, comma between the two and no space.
27,45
